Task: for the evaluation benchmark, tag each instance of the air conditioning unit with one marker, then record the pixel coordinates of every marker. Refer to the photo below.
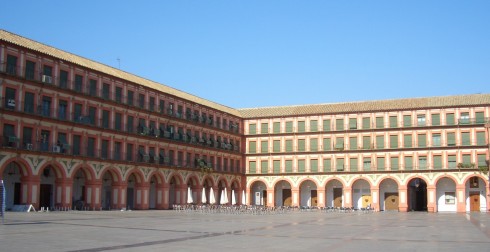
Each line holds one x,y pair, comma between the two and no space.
11,103
28,146
47,79
56,149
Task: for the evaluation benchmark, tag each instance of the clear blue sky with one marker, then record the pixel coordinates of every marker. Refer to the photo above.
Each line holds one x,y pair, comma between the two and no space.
269,53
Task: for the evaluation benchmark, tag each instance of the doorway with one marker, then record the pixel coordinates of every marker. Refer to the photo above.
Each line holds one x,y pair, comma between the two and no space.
417,195
45,195
286,197
314,198
337,197
475,201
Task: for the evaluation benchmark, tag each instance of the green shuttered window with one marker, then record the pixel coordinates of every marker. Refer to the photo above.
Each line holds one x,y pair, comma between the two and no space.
353,143
352,123
289,145
339,124
480,138
276,164
436,119
264,166
340,164
289,166
353,164
313,125
394,141
313,144
252,129
252,167
276,146
289,127
380,163
264,146
252,147
437,160
394,164
366,142
327,165
450,119
393,121
422,140
301,126
314,165
408,163
327,144
276,127
380,122
380,142
301,165
264,128
407,141
366,123
326,125
301,145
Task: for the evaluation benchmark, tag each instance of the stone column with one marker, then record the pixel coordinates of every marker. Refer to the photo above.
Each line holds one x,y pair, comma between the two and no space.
403,198
431,199
347,191
142,196
165,189
295,195
118,195
321,197
93,194
64,192
460,198
375,198
271,197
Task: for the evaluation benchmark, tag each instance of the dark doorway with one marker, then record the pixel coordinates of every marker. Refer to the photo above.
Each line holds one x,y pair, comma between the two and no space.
45,195
417,194
17,194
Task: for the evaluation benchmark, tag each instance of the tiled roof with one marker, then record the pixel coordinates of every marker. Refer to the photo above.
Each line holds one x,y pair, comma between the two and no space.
81,61
367,106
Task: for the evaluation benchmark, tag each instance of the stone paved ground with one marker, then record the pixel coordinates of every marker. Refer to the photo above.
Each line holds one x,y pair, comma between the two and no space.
295,231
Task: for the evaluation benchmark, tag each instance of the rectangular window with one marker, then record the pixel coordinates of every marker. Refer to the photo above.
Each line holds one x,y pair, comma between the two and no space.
380,163
118,94
466,160
117,151
252,167
327,165
422,162
130,98
264,128
46,106
482,160
106,91
252,129
76,144
366,123
366,142
27,138
393,121
326,125
78,83
117,121
450,119
353,164
353,143
380,122
313,125
339,143
314,165
327,144
422,140
436,140
465,118
63,79
264,166
130,123
480,118
91,147
104,149
105,119
141,101
276,146
313,144
380,142
394,141
264,146
301,145
301,126
92,91
465,138
437,162
451,139
339,124
276,127
451,161
408,163
129,152
10,98
289,127
276,166
340,164
480,138
407,141
301,165
252,147
395,166
421,120
11,65
92,111
449,198
289,166
436,119
289,145
47,71
29,102
407,120
152,105
366,164
352,123
29,70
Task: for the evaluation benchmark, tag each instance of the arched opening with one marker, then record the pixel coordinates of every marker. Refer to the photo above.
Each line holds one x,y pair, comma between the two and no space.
207,185
388,194
417,195
47,187
235,196
475,195
308,194
173,192
361,194
222,196
258,194
79,197
446,195
11,176
283,194
192,187
107,198
153,194
334,193
131,192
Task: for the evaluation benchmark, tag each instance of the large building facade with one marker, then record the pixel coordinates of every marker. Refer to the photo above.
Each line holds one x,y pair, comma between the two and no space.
77,133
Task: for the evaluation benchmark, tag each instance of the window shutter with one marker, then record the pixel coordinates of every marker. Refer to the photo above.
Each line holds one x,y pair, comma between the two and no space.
437,161
436,119
314,165
327,144
326,125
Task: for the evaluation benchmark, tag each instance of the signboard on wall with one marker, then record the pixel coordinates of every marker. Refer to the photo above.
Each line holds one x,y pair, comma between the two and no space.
257,199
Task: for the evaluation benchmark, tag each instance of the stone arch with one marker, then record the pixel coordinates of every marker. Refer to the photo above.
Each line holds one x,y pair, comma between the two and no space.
86,169
308,192
476,193
388,194
155,195
283,195
367,179
339,179
177,178
13,173
479,175
361,193
417,193
114,173
334,192
446,194
58,169
257,193
159,177
22,163
381,179
140,177
251,182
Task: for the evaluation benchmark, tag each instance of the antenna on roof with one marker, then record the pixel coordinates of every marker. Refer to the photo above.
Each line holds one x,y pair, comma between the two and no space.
118,63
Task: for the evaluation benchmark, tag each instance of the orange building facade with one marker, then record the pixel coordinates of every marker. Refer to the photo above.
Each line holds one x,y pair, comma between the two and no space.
79,134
